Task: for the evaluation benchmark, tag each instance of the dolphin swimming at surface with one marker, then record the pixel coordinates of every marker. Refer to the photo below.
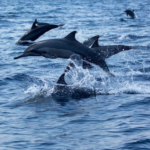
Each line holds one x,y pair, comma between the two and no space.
63,91
64,48
36,31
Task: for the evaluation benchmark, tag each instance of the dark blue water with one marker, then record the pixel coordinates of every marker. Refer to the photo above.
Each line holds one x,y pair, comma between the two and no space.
31,119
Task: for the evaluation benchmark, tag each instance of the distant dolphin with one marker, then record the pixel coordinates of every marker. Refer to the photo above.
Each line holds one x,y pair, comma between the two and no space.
64,48
63,91
130,13
36,31
109,50
90,41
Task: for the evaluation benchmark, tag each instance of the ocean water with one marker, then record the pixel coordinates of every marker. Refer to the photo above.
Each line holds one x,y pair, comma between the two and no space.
117,120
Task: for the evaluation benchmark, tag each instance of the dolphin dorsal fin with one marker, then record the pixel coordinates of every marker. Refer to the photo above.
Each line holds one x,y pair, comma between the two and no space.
95,44
61,79
34,24
71,36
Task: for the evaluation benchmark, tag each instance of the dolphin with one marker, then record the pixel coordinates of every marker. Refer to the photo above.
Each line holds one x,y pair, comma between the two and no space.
90,41
63,91
36,31
104,51
130,13
64,48
109,50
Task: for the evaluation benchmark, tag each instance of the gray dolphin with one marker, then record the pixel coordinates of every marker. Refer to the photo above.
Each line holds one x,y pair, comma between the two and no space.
130,13
104,51
64,48
109,50
36,31
63,91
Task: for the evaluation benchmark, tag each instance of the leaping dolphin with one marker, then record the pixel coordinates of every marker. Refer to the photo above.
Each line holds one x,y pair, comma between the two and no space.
130,13
104,51
109,50
36,31
64,48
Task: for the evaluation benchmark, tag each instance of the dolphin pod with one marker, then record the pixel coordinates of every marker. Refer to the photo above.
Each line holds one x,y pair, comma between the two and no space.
64,48
36,31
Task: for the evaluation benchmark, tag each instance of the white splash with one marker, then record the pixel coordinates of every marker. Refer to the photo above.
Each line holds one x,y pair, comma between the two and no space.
35,90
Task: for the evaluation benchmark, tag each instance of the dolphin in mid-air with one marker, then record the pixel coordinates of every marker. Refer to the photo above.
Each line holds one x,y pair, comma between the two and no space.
109,50
130,13
104,51
64,48
36,31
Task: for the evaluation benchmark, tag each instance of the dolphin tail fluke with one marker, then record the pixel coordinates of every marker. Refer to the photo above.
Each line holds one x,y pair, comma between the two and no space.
60,25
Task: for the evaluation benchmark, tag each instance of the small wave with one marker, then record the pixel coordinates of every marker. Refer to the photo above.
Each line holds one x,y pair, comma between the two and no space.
132,37
138,144
136,89
122,19
27,78
2,83
33,86
148,45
